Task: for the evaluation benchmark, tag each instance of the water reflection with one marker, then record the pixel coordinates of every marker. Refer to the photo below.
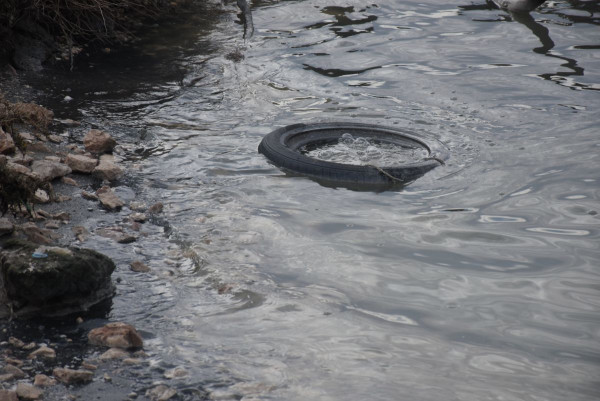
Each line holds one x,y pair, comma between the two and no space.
519,11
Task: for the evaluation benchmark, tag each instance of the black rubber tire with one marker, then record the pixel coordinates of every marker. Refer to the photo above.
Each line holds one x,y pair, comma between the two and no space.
281,148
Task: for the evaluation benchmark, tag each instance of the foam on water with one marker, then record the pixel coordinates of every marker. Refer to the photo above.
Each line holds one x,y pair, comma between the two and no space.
365,151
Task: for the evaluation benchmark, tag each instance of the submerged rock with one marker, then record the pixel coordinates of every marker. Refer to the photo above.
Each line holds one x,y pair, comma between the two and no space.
116,335
7,145
52,281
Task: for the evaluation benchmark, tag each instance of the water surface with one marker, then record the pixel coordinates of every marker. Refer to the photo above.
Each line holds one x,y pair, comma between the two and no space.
479,281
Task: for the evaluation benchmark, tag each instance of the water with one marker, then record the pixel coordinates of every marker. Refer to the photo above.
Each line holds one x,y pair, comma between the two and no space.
365,151
479,281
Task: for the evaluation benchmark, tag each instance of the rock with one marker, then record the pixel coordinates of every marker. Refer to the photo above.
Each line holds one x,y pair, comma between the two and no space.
8,395
53,158
138,206
26,391
16,362
43,353
51,225
156,208
139,217
138,266
6,227
108,199
19,168
55,138
36,234
69,181
132,361
61,281
176,373
6,377
41,196
48,170
161,393
116,335
89,366
22,159
30,346
15,342
81,233
7,145
81,164
96,141
89,195
38,147
109,171
117,234
43,381
14,371
62,216
114,353
72,376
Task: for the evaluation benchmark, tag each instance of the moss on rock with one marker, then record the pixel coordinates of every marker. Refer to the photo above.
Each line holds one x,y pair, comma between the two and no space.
52,280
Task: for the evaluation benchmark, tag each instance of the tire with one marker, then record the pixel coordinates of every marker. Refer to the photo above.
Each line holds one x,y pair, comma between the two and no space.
282,146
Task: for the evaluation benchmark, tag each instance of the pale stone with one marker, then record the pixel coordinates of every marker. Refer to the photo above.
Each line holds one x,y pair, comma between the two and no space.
97,141
41,196
114,353
89,366
89,196
54,159
8,395
139,217
15,342
15,371
63,216
49,170
116,335
81,164
138,266
18,168
43,381
108,199
43,352
55,138
106,170
6,377
16,362
71,376
132,361
26,391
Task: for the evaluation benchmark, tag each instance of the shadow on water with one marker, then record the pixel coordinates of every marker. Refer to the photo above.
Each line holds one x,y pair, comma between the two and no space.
543,34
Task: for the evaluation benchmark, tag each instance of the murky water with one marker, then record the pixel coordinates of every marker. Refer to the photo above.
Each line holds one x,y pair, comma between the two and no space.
479,281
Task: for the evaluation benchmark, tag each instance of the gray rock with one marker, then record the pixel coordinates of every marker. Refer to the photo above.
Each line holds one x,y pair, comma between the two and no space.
161,393
81,164
48,170
96,141
43,353
52,281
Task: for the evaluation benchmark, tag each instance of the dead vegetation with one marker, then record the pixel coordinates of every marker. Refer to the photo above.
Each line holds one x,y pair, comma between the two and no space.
77,21
18,190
